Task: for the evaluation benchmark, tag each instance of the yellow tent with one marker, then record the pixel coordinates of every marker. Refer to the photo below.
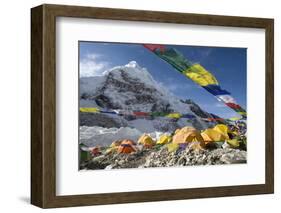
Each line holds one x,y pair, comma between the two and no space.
113,147
116,143
234,142
172,147
199,75
164,139
211,135
187,129
223,129
146,140
177,130
189,135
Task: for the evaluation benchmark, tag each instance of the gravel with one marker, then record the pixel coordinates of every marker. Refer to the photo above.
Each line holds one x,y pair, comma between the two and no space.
160,157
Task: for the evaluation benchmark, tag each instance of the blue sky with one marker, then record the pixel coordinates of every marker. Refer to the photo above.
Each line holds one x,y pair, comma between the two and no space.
228,65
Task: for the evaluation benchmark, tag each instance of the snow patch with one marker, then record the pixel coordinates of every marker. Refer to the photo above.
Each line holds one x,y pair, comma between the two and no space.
95,135
143,125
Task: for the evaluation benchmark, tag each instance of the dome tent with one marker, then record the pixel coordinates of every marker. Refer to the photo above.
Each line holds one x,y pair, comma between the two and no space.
223,129
164,139
146,141
188,135
127,146
113,147
211,135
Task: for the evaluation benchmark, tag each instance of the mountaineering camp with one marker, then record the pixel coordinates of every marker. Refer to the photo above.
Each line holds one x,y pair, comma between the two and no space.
125,127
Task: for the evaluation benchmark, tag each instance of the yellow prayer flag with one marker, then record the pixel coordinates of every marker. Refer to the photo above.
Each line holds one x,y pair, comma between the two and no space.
242,113
88,109
199,75
234,119
173,115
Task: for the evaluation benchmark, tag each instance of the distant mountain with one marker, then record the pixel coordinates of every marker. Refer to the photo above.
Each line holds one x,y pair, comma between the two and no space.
131,87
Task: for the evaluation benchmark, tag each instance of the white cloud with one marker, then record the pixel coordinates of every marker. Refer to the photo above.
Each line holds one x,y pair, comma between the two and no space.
92,66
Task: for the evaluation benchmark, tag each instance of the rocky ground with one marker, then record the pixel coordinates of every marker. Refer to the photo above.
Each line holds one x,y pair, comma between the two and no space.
160,157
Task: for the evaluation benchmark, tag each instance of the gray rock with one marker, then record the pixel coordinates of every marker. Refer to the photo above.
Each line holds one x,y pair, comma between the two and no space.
102,120
234,157
155,157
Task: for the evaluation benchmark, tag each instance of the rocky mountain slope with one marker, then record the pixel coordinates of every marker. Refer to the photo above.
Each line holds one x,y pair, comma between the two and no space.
132,88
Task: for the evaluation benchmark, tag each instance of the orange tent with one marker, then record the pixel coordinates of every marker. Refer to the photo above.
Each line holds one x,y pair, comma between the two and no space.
126,146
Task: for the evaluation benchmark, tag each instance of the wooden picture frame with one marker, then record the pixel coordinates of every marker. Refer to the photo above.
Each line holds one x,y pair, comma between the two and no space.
43,105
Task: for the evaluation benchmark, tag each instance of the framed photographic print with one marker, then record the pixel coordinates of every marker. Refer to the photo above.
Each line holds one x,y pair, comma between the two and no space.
137,106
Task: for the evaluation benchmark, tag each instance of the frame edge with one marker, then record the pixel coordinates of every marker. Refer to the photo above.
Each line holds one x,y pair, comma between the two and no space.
37,190
269,122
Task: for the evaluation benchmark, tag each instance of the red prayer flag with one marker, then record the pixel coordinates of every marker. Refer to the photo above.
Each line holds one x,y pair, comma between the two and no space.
233,105
153,47
141,113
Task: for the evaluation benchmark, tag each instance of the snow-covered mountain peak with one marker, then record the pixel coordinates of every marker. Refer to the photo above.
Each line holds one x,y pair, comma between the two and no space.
133,64
131,87
131,70
132,67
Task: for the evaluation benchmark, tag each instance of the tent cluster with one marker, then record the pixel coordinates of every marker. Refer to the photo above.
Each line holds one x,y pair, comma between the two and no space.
196,73
180,139
201,139
128,146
